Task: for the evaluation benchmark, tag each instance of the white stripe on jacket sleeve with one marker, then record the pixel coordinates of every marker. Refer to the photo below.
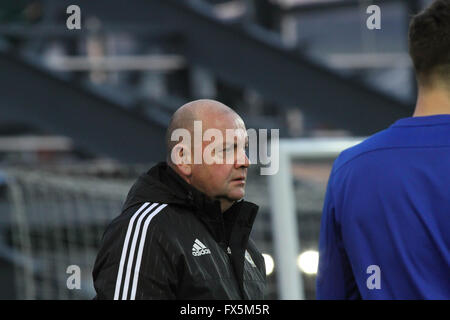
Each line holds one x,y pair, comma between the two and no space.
124,250
133,250
141,248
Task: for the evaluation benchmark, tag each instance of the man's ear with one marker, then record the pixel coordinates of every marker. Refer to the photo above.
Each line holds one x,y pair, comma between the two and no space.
181,158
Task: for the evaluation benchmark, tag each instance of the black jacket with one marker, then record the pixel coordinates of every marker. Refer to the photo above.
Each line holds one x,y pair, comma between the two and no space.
172,242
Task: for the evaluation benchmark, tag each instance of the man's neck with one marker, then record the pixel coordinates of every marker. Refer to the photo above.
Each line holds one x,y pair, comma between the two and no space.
432,102
225,204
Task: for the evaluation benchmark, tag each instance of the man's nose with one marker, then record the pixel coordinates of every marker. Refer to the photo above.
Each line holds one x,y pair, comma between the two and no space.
242,161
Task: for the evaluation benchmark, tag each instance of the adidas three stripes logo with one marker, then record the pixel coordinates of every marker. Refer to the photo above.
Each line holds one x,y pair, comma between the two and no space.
130,260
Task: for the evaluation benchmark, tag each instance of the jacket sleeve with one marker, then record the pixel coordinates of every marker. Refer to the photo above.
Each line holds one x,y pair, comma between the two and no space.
134,267
335,279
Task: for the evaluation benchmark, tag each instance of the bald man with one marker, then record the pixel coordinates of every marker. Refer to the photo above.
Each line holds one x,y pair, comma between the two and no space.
184,229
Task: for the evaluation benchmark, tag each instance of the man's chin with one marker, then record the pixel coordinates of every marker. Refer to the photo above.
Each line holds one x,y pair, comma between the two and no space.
236,195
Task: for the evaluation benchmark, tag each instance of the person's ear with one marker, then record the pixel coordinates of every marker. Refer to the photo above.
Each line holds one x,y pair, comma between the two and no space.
181,157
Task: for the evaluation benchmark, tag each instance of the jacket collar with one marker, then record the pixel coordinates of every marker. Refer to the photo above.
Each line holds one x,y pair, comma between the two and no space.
235,223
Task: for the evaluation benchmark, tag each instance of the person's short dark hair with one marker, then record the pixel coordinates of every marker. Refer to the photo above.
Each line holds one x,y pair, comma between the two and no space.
429,42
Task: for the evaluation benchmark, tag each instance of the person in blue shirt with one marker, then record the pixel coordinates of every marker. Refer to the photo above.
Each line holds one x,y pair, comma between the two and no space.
385,229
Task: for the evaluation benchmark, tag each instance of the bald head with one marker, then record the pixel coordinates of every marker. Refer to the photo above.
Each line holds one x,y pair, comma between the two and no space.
205,110
212,164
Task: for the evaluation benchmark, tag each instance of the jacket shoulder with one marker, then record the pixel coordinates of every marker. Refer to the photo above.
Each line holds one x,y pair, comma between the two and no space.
129,242
154,212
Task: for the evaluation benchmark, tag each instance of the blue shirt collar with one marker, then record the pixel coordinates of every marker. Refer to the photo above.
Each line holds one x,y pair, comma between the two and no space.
438,119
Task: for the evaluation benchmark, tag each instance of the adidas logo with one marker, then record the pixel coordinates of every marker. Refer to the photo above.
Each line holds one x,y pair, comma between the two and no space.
199,249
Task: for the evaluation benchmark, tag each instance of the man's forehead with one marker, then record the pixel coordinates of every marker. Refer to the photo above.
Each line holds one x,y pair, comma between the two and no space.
231,127
223,122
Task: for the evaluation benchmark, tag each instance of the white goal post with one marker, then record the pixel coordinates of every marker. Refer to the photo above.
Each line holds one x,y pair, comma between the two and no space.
283,208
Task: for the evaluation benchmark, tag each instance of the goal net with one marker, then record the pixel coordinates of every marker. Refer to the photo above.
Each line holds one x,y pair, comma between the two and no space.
57,221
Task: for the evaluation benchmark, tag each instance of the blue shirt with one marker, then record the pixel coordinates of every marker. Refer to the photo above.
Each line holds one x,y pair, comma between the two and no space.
387,206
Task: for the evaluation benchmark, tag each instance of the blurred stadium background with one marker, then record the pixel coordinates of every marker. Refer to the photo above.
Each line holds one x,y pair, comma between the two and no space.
83,112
